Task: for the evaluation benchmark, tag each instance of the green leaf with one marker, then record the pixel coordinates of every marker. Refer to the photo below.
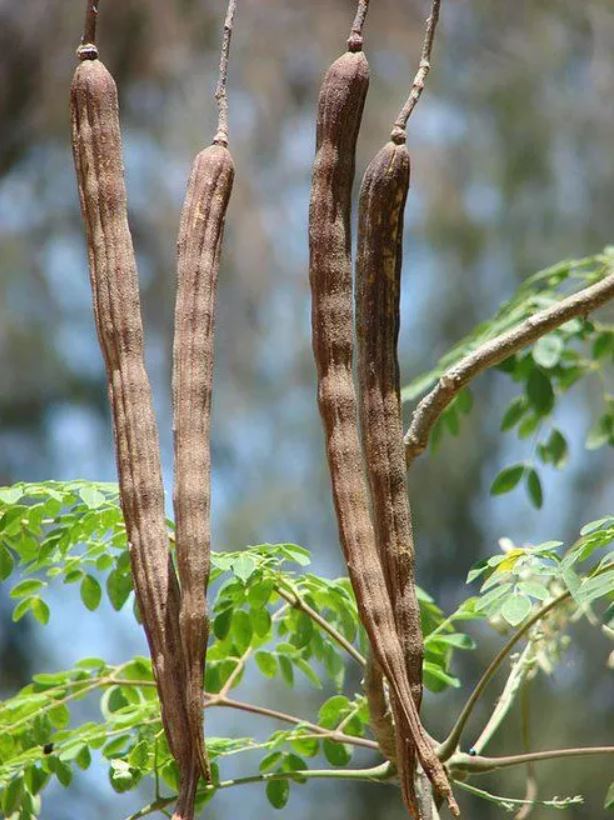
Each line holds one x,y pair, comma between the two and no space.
91,593
437,679
534,488
599,524
534,589
456,639
491,602
308,746
333,711
91,497
547,350
242,630
270,761
10,495
22,607
261,622
139,755
540,392
278,792
40,610
515,609
122,776
265,661
59,716
514,413
297,554
337,754
507,479
609,798
259,594
12,796
221,624
7,563
555,450
285,667
243,567
119,586
601,433
26,587
62,771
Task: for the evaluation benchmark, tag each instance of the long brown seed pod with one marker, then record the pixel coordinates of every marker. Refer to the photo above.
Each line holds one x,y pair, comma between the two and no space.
199,247
99,167
378,271
339,113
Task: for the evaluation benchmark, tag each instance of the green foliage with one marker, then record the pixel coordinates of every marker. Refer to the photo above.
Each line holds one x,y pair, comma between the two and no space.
579,349
520,579
73,534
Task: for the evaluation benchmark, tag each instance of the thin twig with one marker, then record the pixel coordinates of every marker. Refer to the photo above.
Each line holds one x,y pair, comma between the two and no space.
494,351
477,764
531,786
221,96
518,674
355,39
509,802
446,749
376,774
417,86
296,601
340,737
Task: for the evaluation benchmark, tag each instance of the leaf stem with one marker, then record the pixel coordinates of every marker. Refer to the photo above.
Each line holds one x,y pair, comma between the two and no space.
295,600
477,764
320,731
447,747
376,774
519,671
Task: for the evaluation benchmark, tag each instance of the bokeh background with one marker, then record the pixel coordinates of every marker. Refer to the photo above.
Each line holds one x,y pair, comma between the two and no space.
512,170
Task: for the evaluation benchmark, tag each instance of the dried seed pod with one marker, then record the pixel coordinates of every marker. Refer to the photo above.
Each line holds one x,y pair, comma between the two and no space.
199,246
100,174
378,271
339,112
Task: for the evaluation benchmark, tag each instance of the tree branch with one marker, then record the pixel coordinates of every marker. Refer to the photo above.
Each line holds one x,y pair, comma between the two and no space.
221,96
417,85
297,602
446,749
376,774
477,764
496,350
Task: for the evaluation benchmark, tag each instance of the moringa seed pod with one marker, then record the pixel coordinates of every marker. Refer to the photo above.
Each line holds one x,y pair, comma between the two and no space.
382,200
339,113
97,153
199,247
377,292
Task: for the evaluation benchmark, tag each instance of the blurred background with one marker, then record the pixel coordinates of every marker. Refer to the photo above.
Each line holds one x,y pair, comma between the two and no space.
512,170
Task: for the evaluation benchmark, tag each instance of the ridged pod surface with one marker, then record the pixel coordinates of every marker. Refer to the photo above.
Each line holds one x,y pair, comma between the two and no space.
99,166
199,247
339,113
382,200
